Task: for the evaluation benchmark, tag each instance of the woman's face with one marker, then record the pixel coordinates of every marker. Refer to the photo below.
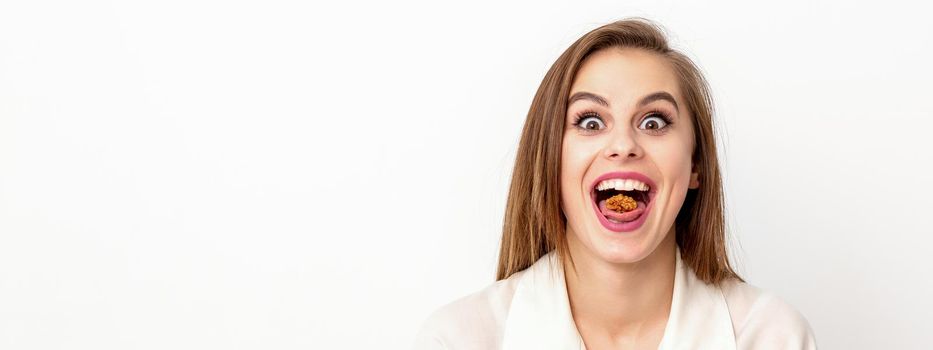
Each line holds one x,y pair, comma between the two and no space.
626,118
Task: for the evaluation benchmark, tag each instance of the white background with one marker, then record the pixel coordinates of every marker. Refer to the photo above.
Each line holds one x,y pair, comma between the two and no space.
292,175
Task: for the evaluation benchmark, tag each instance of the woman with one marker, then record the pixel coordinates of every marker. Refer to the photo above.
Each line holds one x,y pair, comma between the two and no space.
614,227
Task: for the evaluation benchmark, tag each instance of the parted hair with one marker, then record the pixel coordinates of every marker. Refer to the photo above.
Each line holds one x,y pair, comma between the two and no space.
534,224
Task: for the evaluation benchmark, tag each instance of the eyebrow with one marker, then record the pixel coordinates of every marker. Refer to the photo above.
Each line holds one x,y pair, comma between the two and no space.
660,95
655,96
583,95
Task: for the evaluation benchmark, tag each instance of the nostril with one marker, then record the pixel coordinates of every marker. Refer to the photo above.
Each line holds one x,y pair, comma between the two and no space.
630,155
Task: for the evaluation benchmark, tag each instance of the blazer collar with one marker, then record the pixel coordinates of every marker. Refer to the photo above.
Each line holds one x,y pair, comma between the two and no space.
540,318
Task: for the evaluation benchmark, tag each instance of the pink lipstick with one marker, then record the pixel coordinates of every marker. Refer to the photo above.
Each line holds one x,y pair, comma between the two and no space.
628,221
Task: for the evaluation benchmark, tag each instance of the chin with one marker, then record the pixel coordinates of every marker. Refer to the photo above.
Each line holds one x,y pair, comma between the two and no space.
623,253
621,248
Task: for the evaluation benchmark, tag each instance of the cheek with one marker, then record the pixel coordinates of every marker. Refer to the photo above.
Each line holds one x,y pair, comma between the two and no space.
567,164
673,158
575,156
574,160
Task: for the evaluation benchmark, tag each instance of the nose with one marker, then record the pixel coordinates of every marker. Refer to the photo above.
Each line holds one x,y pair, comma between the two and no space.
623,145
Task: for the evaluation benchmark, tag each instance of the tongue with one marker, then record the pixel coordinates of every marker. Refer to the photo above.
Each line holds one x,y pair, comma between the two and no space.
623,217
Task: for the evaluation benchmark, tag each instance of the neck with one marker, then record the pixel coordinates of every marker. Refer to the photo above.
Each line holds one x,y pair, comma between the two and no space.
621,300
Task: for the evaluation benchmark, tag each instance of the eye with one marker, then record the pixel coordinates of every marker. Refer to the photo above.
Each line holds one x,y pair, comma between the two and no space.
589,121
655,121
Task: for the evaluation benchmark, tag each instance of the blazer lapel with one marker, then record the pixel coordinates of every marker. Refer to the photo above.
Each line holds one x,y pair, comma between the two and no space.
539,317
699,317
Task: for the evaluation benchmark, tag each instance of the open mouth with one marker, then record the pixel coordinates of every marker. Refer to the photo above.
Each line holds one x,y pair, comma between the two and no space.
621,203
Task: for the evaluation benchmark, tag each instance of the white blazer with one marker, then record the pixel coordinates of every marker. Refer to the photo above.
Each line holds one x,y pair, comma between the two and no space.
530,310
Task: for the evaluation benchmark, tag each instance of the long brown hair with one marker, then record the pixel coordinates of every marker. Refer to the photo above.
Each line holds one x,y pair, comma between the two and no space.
534,224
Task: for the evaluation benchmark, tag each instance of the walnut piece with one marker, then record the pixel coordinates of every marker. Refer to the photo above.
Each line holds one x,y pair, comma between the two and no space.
621,203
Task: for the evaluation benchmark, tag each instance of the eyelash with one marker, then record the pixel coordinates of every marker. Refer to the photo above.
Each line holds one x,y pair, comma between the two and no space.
654,112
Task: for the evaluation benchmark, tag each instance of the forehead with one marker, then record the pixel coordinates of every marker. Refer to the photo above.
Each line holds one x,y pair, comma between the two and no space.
623,75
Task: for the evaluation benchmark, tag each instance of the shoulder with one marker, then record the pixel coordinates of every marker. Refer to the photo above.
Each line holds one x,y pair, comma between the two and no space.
762,320
475,321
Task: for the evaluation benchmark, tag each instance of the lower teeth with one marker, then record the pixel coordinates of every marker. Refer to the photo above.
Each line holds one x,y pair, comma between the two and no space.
619,222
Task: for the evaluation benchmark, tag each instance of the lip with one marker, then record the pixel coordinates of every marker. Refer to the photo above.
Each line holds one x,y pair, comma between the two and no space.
626,226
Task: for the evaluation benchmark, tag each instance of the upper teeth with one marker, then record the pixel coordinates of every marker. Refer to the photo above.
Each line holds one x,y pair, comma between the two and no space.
621,185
